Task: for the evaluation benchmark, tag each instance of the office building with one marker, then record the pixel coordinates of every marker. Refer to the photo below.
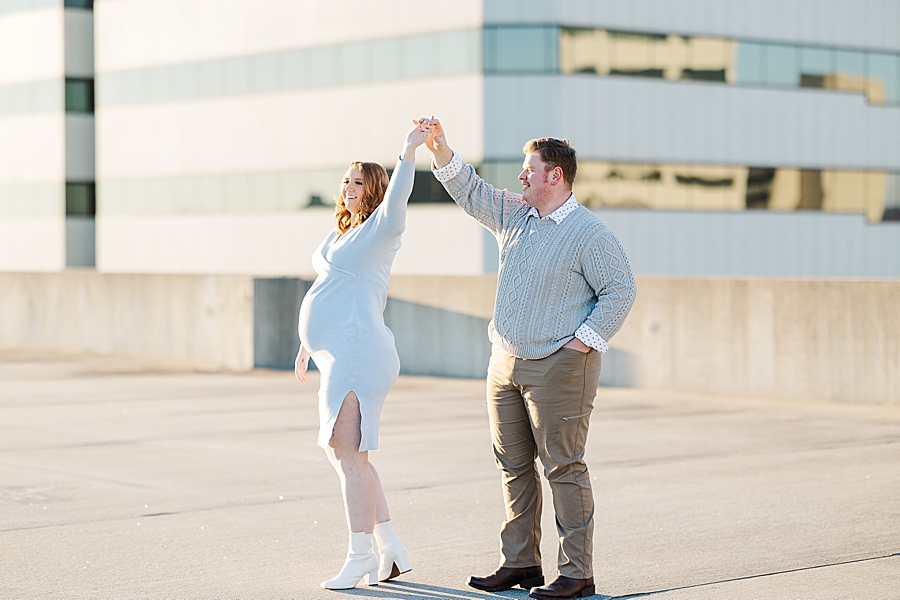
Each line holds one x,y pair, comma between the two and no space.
716,137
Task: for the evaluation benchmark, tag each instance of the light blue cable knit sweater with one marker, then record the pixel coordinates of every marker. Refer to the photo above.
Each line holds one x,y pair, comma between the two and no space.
554,277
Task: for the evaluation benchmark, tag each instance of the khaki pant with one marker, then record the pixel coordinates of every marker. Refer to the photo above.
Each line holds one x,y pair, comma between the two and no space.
541,409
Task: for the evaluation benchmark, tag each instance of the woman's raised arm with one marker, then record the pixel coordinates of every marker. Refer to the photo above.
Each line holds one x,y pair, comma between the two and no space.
393,209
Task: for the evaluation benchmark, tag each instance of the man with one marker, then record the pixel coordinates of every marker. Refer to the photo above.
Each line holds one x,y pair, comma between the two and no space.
564,289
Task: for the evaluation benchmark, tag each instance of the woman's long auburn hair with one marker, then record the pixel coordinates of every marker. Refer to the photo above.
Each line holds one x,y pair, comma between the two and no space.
375,183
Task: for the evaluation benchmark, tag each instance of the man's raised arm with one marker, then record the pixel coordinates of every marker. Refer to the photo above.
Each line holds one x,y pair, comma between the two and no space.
437,143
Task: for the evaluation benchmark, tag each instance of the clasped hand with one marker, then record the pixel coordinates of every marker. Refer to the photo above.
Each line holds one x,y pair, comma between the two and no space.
423,130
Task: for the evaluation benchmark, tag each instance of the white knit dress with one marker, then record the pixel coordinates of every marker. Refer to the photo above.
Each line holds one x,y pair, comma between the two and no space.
341,321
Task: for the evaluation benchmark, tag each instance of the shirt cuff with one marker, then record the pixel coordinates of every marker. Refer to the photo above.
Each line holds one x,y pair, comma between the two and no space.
591,338
449,171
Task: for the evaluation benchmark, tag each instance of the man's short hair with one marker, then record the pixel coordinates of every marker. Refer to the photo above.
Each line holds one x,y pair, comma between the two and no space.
555,153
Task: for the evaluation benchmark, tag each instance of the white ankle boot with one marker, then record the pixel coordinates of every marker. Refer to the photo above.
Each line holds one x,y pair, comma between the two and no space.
361,561
392,558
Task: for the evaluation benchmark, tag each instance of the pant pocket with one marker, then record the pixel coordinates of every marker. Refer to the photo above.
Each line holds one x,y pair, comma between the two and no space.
575,417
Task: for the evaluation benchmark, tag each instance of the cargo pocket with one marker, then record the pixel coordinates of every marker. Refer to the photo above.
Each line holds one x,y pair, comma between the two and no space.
571,434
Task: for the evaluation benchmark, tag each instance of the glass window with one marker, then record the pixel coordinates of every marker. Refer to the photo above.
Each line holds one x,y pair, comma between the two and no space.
184,193
157,84
263,192
521,50
295,69
704,75
183,81
355,63
383,59
782,68
816,61
290,190
132,86
583,51
211,79
418,57
707,59
80,95
237,75
505,174
749,63
634,54
107,90
849,75
43,96
815,65
80,199
325,64
851,62
427,189
892,197
458,52
884,71
88,4
264,74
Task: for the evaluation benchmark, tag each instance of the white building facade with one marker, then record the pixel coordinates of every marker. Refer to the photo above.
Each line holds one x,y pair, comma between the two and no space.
716,137
46,135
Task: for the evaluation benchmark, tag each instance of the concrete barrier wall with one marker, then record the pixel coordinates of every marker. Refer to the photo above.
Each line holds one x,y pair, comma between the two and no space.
830,340
816,339
202,320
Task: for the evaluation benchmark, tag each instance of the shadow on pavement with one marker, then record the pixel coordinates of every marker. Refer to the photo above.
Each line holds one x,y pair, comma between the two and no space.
402,590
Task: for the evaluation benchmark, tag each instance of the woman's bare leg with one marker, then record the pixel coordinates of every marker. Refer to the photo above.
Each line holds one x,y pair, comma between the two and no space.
359,482
382,513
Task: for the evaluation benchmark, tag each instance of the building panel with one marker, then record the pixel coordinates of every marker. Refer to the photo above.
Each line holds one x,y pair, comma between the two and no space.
144,33
282,131
31,45
606,117
79,43
33,148
33,243
79,147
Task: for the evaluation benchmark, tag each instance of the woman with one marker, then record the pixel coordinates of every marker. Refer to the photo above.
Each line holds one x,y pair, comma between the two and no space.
342,328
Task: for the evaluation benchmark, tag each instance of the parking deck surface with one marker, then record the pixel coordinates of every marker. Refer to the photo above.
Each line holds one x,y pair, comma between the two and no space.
124,478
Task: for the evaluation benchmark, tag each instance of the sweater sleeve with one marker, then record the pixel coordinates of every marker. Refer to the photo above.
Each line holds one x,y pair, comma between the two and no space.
607,271
391,218
490,207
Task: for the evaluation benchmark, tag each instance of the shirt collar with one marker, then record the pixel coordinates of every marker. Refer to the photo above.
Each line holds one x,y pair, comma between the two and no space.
560,213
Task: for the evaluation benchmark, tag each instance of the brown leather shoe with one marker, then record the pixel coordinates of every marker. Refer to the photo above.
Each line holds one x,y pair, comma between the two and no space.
565,587
505,578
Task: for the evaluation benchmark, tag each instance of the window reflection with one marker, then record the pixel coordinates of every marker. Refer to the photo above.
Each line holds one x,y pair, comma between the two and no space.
678,57
441,54
419,56
669,187
599,184
230,192
80,199
884,70
295,70
325,66
510,50
645,55
518,50
750,64
458,52
80,95
357,62
781,66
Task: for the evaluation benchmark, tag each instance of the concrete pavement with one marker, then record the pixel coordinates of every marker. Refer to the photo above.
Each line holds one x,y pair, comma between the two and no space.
132,479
